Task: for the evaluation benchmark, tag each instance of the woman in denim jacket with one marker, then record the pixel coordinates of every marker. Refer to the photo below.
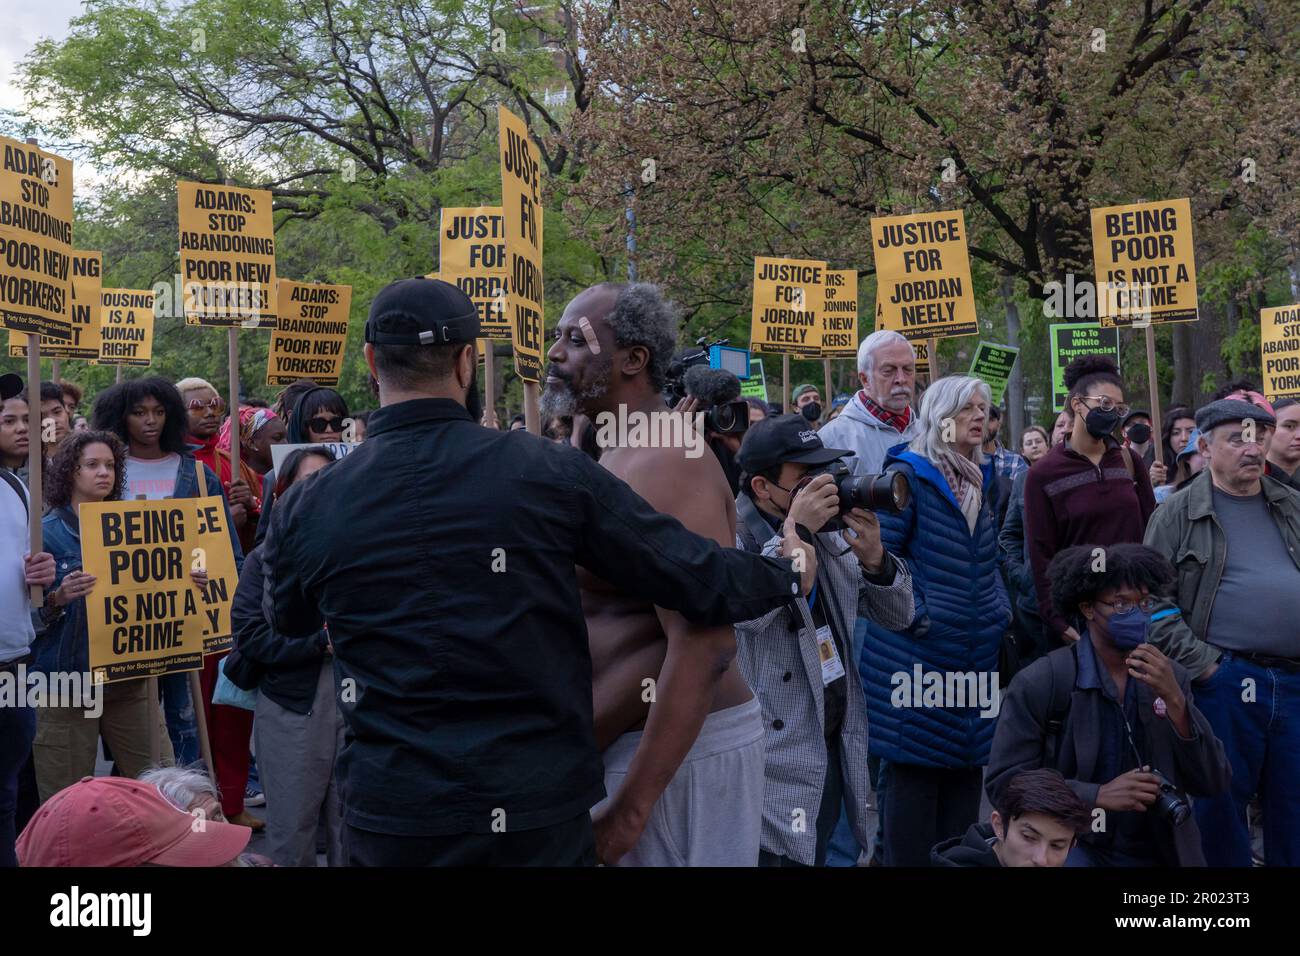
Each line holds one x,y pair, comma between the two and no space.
88,467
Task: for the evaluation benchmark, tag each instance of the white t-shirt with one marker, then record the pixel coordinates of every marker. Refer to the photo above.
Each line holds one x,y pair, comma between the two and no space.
16,632
154,478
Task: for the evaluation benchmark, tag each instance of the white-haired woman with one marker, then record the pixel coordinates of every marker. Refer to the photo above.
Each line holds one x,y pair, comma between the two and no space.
931,689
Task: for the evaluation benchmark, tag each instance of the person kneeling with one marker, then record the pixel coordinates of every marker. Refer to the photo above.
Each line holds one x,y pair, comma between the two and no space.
1035,823
1113,715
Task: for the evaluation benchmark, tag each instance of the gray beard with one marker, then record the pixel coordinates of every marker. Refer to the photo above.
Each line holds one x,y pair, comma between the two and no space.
561,401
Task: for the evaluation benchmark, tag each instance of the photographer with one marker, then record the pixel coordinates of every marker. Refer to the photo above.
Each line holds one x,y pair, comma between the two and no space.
1114,715
795,657
726,416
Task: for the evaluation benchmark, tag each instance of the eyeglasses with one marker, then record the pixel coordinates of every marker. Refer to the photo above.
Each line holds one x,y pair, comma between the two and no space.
1123,607
320,425
216,404
1105,403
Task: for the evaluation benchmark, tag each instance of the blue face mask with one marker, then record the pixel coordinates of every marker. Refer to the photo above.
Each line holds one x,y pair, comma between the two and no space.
1129,629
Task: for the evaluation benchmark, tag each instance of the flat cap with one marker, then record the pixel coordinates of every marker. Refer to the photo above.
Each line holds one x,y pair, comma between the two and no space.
1230,410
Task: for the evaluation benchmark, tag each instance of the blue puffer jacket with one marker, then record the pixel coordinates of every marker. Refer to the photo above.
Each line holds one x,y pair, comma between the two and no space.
961,613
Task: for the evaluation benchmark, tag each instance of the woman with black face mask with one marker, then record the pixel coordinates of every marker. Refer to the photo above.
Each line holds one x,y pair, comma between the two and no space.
1089,489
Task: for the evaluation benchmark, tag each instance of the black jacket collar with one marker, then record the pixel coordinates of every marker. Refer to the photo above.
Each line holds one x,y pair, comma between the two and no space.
417,410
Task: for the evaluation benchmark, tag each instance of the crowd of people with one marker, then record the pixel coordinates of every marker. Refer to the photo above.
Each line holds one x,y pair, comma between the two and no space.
865,632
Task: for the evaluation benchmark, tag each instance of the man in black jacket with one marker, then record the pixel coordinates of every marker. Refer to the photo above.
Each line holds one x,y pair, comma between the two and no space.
1036,822
1113,715
444,566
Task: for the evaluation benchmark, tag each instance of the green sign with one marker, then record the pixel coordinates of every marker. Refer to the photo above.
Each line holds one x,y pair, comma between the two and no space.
992,364
756,385
1069,341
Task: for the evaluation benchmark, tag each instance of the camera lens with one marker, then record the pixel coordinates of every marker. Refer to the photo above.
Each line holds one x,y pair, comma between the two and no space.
889,492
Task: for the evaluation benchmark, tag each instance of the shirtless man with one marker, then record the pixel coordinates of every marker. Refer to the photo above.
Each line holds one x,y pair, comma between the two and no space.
680,731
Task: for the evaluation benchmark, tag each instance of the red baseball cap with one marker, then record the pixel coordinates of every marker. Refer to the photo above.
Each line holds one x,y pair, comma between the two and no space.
116,821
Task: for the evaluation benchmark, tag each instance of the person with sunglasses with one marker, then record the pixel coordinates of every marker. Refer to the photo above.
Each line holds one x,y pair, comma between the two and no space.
206,411
318,415
1114,715
1089,489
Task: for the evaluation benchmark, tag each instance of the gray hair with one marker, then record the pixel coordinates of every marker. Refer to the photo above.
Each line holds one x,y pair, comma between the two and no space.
942,402
874,341
642,316
181,786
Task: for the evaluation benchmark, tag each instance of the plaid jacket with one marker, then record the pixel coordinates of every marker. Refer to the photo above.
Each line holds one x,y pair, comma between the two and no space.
778,656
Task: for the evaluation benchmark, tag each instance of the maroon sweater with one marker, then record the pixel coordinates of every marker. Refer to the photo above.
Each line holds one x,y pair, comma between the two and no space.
1069,501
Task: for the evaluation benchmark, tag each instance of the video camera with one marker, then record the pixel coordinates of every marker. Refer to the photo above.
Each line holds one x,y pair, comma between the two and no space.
888,492
717,390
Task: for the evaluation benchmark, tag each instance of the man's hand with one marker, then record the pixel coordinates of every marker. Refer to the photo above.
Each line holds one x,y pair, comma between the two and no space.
865,540
1159,474
1147,664
1135,790
489,419
240,498
618,827
817,503
801,553
200,578
39,569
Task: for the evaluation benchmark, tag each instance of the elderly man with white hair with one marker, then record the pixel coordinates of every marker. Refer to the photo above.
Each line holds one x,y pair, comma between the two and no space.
880,416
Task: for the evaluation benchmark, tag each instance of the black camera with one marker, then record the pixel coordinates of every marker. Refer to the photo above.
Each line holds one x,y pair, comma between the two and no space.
729,418
1170,806
888,492
675,381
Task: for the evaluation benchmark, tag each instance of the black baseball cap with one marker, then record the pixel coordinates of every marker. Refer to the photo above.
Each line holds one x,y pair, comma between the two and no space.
782,438
422,311
1135,413
11,384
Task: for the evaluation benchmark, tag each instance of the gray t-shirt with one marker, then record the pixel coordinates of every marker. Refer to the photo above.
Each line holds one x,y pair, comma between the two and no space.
1257,608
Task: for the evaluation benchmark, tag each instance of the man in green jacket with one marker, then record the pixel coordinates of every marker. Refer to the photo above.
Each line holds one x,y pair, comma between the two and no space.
1234,539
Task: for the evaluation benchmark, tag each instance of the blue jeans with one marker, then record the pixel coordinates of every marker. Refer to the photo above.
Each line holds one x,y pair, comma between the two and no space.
179,711
1261,737
843,849
17,730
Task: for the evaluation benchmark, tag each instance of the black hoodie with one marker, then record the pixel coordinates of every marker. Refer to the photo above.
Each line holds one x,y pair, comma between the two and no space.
974,849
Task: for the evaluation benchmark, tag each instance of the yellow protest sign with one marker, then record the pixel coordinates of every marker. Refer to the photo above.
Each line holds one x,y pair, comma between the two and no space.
87,279
1279,347
125,327
521,208
840,314
1145,265
472,254
923,285
146,616
311,335
922,349
789,298
227,255
35,240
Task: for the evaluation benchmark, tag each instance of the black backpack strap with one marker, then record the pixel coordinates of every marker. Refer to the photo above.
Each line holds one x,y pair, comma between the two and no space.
16,484
1063,671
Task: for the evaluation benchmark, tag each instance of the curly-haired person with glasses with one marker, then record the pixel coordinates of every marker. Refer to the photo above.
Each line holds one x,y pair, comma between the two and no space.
1087,490
1114,715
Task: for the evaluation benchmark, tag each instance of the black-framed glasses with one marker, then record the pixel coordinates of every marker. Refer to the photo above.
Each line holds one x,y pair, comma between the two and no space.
1147,604
320,425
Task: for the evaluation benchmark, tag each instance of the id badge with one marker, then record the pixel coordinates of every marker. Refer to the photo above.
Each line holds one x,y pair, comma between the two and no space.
832,666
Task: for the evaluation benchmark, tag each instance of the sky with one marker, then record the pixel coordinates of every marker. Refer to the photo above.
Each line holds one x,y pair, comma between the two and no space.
25,22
